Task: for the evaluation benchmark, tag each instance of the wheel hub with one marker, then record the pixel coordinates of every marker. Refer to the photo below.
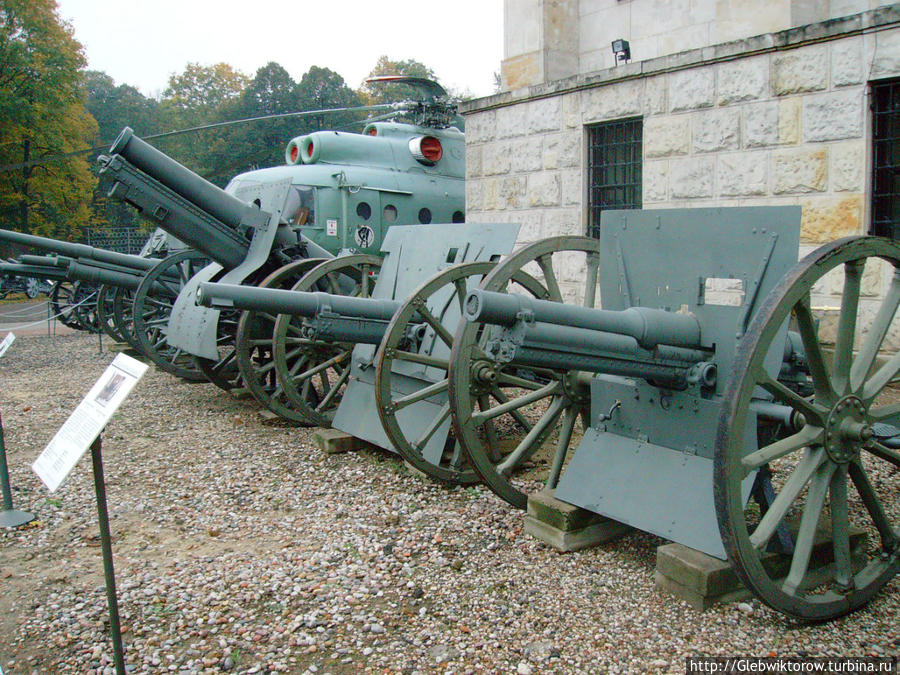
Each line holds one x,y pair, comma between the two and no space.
846,430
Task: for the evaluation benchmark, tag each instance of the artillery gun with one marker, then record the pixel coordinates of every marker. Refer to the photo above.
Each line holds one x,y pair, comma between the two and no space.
338,194
95,287
326,357
702,422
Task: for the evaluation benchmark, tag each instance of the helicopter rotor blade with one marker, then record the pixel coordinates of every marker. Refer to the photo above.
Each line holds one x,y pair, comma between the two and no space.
394,108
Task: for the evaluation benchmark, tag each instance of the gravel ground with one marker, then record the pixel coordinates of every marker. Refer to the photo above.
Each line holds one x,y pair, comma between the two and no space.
241,547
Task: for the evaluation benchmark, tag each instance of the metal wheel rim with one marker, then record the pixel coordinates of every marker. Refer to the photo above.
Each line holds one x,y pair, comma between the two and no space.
303,356
826,477
464,393
151,313
61,302
256,364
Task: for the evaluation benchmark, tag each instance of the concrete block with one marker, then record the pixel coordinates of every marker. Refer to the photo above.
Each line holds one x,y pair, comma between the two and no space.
566,527
833,116
800,70
702,580
334,442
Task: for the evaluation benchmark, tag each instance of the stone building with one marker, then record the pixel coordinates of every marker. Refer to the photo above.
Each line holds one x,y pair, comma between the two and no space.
722,102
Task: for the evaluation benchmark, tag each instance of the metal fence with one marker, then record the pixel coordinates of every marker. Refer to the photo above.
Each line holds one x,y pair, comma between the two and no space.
119,239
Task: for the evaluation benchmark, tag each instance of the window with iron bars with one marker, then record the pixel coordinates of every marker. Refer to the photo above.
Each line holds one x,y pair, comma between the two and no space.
614,168
886,158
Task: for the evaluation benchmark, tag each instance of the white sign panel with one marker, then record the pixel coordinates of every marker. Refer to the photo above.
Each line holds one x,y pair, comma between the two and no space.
331,228
87,421
7,341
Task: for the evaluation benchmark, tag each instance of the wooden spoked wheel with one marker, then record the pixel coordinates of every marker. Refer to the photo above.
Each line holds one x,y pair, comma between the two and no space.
84,299
106,312
254,345
418,342
123,316
836,475
516,423
223,371
152,307
314,373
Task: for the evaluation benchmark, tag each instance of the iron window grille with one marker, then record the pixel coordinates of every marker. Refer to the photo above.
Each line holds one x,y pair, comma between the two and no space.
614,168
886,158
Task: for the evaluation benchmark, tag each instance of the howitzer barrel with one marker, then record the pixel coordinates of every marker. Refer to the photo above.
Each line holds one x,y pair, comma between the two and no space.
296,303
650,327
213,200
33,271
73,250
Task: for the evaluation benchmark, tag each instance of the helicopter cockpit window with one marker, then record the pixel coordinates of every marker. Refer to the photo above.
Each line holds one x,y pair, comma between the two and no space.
301,205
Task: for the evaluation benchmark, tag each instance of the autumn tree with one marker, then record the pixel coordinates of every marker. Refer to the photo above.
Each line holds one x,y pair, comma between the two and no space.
42,115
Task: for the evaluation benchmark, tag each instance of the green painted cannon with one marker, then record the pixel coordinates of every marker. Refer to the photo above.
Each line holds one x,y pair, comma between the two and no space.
340,195
374,363
703,421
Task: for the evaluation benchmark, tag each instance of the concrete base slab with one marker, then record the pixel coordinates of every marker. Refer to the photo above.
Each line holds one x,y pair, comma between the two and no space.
334,442
241,393
702,580
566,527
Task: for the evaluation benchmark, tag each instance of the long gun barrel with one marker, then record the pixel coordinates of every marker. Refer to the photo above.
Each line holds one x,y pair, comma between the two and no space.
650,327
73,250
33,271
296,303
179,201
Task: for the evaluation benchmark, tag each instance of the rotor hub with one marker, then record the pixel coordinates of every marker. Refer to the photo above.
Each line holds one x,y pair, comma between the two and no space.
846,430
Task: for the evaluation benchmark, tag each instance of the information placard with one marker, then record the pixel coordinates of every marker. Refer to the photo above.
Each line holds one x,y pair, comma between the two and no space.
87,421
4,345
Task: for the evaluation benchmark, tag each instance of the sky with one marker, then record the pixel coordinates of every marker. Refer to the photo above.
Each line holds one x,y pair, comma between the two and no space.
143,42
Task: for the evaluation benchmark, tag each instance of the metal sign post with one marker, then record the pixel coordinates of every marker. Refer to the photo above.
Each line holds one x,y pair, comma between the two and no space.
80,431
112,601
9,517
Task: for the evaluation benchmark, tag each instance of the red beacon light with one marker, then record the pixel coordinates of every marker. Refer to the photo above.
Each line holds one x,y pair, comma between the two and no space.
426,150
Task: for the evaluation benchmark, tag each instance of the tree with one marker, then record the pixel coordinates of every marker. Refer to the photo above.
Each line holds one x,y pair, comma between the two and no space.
322,89
42,113
251,145
200,90
390,93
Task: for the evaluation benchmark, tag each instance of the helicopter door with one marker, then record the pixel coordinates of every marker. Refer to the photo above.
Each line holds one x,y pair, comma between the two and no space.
364,218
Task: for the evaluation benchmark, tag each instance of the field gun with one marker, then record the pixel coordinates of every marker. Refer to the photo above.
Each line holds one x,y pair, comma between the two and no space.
705,421
327,364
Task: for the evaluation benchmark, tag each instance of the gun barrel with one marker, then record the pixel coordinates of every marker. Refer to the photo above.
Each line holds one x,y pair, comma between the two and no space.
296,303
33,271
178,178
650,327
120,278
73,250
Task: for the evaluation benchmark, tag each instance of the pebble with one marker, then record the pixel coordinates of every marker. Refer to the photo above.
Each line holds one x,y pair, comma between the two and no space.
242,548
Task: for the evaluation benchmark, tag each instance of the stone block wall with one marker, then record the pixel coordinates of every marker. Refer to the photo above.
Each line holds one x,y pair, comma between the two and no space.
761,127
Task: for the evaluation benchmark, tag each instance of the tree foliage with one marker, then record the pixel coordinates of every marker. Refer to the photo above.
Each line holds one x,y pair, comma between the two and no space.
42,114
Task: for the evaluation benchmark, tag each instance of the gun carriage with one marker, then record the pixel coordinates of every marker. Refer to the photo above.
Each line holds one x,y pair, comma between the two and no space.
325,343
702,419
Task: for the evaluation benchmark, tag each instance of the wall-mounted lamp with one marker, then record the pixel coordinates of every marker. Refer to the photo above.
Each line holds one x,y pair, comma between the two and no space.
621,50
